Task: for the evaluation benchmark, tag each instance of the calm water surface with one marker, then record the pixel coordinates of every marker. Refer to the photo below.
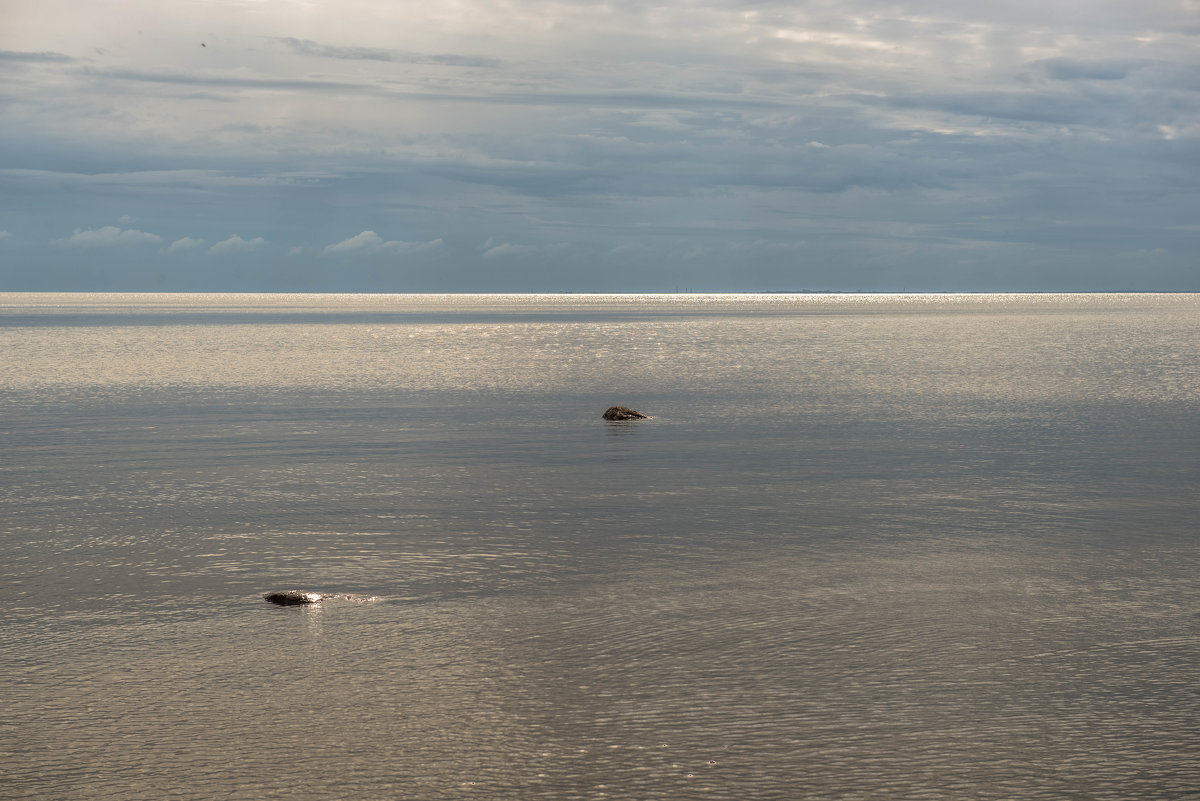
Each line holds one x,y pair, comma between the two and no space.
868,547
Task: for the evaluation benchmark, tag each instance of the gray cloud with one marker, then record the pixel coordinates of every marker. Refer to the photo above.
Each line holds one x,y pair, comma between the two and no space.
201,79
1021,106
43,56
1071,69
307,47
549,99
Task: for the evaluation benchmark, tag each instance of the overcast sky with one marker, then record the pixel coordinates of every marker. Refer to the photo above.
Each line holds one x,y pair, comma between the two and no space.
484,145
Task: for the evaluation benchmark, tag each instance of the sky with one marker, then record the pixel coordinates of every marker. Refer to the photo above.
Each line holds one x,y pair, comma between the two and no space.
564,145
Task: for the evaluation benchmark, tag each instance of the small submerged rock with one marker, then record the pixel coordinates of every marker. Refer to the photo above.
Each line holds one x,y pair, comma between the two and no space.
623,413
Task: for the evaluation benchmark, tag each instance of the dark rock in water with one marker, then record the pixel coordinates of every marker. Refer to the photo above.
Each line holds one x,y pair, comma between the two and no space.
623,413
298,597
293,597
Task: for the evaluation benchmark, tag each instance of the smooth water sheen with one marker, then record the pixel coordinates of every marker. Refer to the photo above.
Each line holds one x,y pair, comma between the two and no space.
867,547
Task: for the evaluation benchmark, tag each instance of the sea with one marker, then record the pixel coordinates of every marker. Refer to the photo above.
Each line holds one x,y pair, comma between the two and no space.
864,547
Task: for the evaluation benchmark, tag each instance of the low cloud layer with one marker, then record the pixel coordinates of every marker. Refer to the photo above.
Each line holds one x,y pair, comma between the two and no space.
183,244
369,242
560,145
235,244
107,237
